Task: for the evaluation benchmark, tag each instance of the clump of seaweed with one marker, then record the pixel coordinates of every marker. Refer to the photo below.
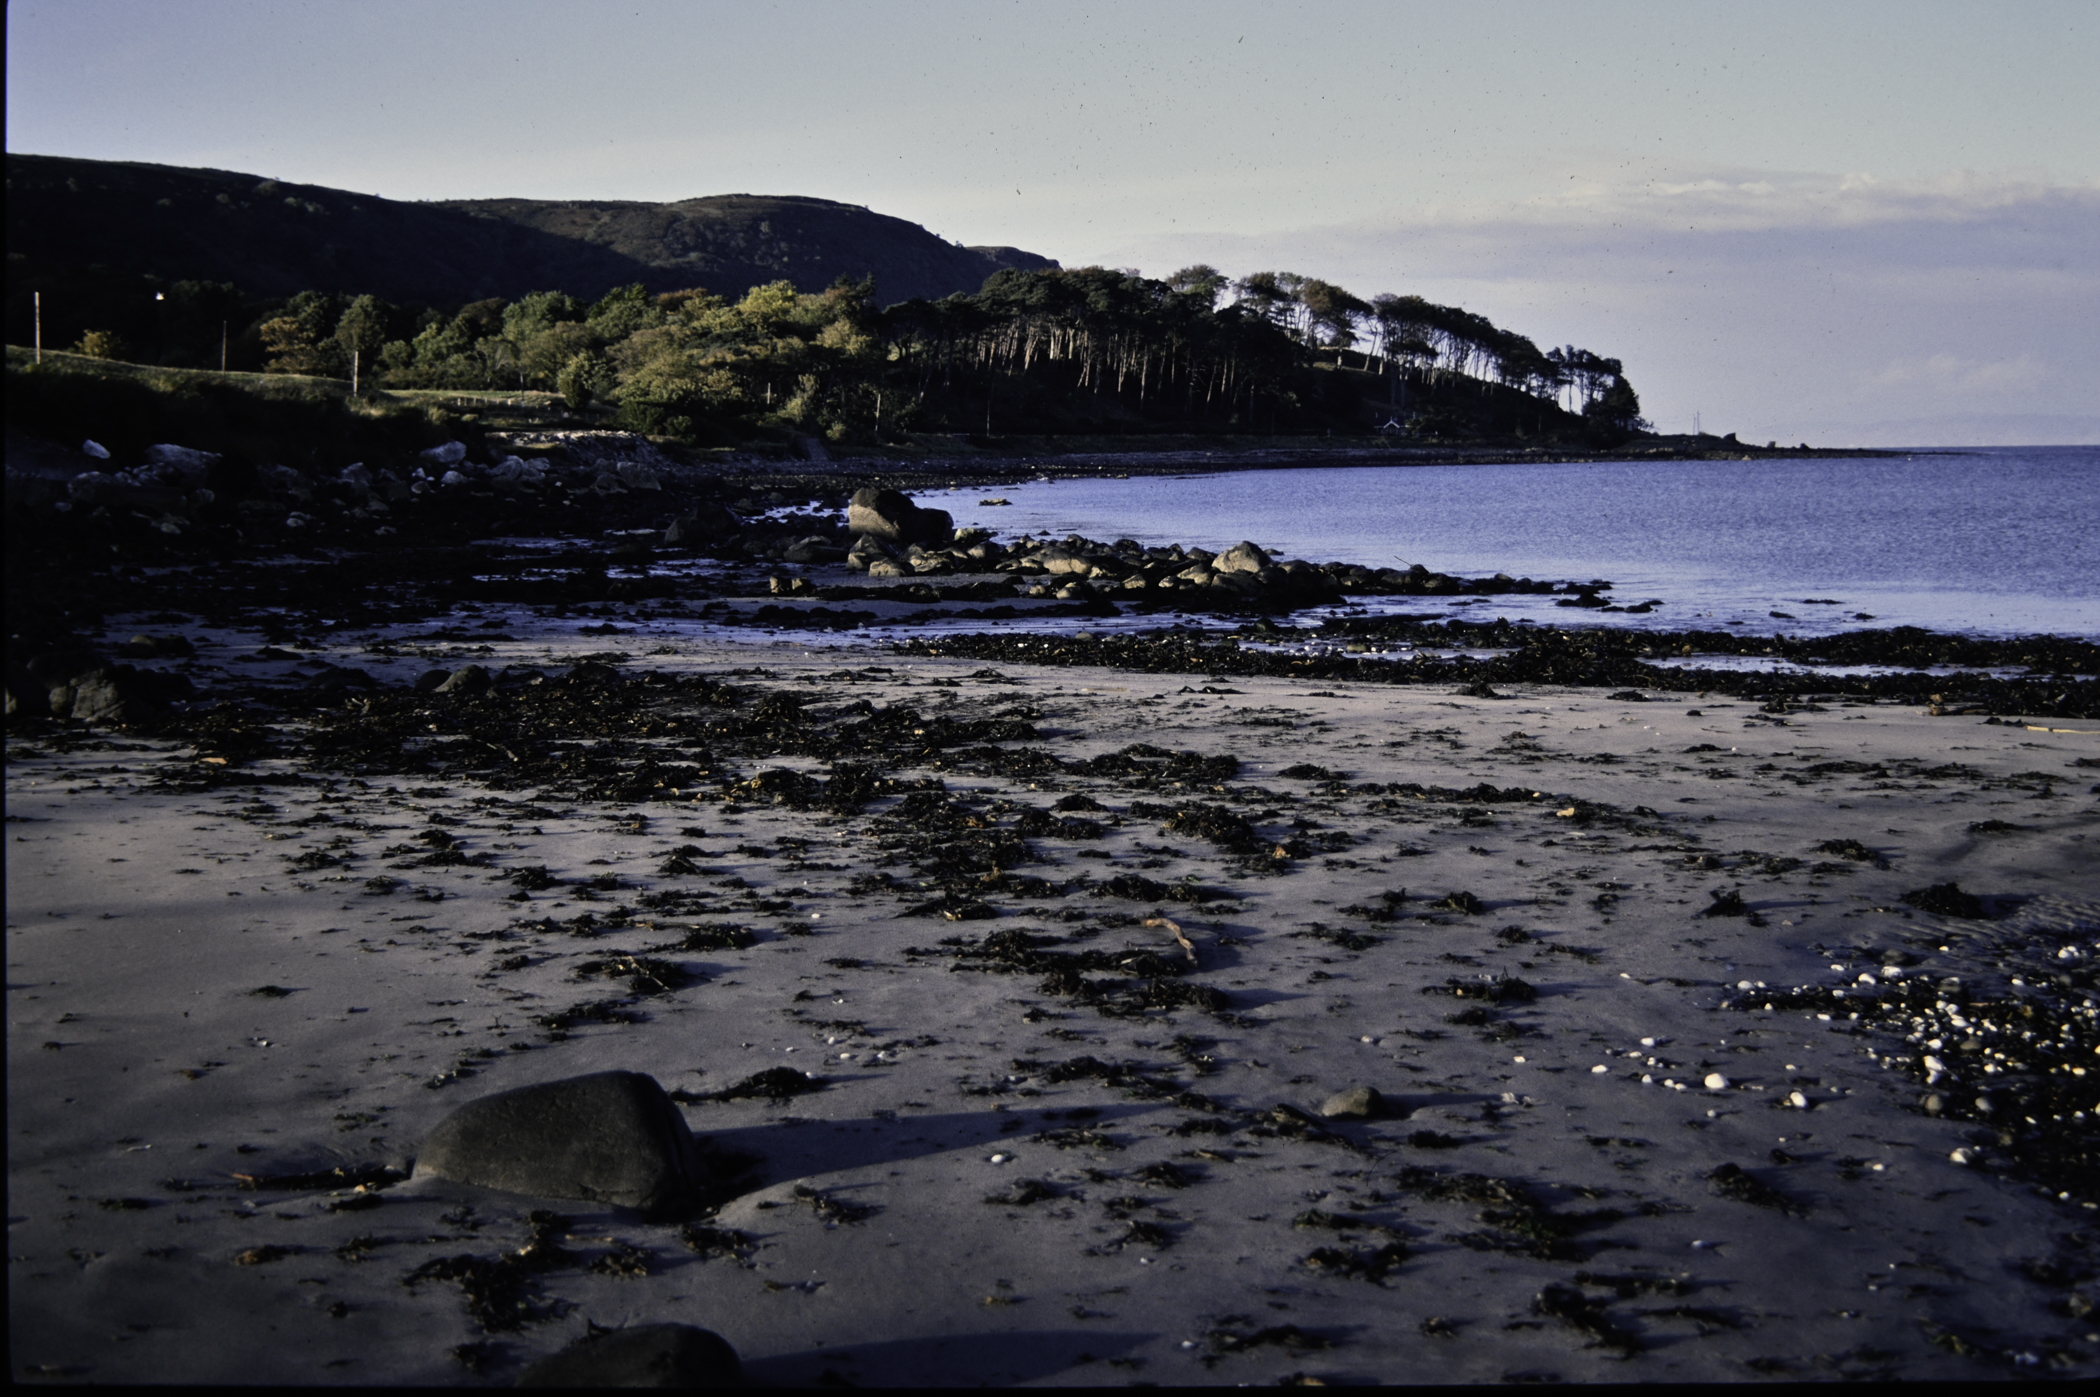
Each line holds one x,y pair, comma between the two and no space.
773,1084
1946,900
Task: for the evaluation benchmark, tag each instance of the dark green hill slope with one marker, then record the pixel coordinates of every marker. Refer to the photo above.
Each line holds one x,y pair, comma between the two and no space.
273,239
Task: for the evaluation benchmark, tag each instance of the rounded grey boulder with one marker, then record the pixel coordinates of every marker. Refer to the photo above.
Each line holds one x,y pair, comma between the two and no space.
1356,1103
892,517
610,1137
471,680
1241,557
647,1355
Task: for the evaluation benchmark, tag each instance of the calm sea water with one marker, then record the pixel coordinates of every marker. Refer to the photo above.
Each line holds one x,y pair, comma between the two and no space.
1997,541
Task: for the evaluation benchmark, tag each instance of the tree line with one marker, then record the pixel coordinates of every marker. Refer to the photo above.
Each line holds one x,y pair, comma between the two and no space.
1055,350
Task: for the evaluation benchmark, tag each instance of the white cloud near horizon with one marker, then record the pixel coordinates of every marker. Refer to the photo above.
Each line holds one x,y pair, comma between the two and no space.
1827,308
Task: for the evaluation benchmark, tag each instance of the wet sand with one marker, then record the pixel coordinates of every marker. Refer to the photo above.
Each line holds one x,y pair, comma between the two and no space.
1046,1144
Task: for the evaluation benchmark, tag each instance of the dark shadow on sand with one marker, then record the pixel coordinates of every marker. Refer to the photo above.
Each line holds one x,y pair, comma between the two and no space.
962,1360
798,1147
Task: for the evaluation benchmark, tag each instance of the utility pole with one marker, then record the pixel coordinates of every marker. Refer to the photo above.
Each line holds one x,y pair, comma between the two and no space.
222,346
355,355
38,298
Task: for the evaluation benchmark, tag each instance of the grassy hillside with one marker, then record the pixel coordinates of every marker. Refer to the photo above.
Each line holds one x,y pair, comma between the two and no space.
255,417
74,221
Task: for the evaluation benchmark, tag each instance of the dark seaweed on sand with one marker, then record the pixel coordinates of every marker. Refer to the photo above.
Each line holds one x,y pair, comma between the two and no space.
1372,1264
1597,657
1495,989
1853,850
1947,900
773,1084
1143,978
502,1292
1585,1315
1232,1336
642,974
603,1011
1731,1181
719,1243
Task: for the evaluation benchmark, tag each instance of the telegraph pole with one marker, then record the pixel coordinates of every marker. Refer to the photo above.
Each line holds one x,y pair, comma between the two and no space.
222,346
38,298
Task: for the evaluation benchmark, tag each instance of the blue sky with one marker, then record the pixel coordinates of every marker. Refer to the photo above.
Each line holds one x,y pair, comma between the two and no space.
1868,223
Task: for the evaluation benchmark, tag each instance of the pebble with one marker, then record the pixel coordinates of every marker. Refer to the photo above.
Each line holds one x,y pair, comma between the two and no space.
1798,1099
1600,1067
1716,1082
1964,1155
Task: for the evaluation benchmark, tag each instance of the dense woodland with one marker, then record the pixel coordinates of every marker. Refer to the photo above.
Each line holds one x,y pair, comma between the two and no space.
1034,351
701,319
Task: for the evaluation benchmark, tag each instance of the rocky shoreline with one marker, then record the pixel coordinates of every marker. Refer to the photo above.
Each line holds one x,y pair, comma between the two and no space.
200,532
1096,979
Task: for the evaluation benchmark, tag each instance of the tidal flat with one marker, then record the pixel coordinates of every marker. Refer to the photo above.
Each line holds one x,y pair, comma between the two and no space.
1667,1037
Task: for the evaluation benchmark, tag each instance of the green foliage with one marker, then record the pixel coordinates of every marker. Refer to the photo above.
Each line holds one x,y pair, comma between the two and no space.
253,417
100,344
361,332
585,378
1085,351
1615,414
302,340
622,312
1201,283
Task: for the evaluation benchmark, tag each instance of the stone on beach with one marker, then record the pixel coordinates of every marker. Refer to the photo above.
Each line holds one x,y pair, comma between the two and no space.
636,476
82,685
471,680
1059,560
892,517
1241,557
646,1355
813,549
611,1137
1356,1103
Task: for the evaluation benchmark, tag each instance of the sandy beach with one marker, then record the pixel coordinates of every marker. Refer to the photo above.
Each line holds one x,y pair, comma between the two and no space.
1587,952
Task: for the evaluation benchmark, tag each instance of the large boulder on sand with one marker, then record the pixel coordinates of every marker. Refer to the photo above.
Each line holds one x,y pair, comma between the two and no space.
644,1355
893,518
611,1137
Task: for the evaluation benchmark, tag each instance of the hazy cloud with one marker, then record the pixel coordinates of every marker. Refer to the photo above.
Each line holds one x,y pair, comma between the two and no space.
1820,307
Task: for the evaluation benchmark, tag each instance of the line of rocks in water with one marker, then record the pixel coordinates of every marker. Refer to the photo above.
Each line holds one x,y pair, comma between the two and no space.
893,537
909,554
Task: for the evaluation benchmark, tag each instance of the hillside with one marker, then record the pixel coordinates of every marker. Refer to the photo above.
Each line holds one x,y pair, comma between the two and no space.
273,239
